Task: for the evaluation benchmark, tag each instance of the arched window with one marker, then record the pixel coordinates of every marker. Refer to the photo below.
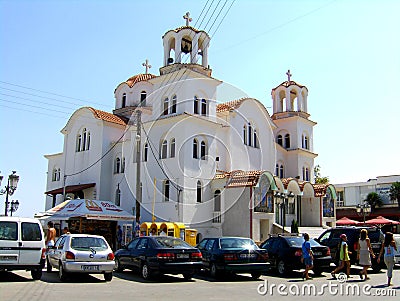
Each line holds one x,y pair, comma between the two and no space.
54,177
250,135
198,192
279,140
203,150
123,165
203,107
307,174
287,141
217,200
88,141
173,106
281,172
255,139
58,175
164,149
306,144
123,105
245,134
117,165
166,190
166,105
78,143
143,96
172,148
195,149
196,105
304,173
146,152
277,170
84,139
118,196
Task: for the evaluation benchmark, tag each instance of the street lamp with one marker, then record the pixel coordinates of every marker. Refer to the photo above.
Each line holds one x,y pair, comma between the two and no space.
363,210
14,206
9,190
282,201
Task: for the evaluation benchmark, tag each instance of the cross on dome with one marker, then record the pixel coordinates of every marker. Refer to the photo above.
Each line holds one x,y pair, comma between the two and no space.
288,75
187,18
146,64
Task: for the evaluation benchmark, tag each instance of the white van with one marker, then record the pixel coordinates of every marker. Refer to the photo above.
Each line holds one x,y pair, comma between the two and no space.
396,238
22,245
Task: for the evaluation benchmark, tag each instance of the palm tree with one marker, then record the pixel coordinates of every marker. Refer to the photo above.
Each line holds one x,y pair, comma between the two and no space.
395,192
374,200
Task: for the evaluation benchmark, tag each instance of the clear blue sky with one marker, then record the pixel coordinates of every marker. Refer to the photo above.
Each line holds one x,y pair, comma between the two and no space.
347,53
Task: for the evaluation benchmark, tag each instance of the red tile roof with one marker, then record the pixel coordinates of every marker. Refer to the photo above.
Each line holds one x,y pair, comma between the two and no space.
102,115
139,78
230,105
289,83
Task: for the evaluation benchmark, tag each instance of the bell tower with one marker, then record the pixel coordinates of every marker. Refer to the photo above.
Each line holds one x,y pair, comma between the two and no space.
186,47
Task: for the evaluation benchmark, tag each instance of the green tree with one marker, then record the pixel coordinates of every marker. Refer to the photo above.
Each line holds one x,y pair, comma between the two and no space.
374,200
317,176
394,192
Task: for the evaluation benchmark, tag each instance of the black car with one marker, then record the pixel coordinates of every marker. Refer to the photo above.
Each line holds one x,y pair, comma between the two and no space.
153,255
285,254
234,255
331,238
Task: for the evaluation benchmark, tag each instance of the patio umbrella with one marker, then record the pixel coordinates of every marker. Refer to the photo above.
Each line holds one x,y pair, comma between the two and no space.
380,220
346,221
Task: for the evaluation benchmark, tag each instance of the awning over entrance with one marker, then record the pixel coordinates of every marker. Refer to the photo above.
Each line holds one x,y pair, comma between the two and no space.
70,188
89,209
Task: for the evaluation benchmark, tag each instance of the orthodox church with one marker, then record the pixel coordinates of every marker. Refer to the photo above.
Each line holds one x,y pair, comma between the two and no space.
171,151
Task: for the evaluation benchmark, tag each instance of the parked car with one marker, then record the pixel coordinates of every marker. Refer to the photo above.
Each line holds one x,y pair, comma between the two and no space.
285,252
396,238
331,238
81,253
22,245
152,255
234,255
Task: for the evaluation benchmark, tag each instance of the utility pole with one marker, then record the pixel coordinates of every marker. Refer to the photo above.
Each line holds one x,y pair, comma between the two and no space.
138,164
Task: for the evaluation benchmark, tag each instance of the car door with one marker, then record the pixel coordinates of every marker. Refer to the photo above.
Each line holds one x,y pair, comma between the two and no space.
126,255
269,246
9,243
31,243
140,252
54,254
201,247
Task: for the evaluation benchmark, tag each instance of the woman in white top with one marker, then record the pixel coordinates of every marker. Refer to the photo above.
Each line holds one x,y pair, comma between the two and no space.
364,252
389,247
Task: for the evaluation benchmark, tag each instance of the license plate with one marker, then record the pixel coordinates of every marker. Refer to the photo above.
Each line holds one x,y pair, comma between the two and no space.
90,267
247,255
182,255
317,253
8,258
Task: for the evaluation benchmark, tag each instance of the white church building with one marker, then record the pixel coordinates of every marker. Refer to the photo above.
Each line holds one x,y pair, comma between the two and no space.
223,168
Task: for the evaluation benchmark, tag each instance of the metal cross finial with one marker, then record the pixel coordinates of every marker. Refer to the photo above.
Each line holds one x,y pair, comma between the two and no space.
288,75
187,18
146,64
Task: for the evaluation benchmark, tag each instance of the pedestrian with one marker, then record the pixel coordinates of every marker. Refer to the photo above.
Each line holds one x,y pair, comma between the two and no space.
163,232
364,253
389,247
66,231
119,237
343,257
51,234
153,232
307,254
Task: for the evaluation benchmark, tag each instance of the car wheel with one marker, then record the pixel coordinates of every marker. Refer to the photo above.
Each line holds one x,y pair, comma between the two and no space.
281,267
62,274
214,271
108,276
36,274
255,275
188,276
118,267
49,268
146,274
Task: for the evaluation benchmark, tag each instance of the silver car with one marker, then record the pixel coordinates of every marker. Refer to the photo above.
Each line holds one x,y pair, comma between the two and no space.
81,253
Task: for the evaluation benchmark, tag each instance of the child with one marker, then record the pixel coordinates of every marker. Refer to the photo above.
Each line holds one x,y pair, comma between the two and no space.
344,257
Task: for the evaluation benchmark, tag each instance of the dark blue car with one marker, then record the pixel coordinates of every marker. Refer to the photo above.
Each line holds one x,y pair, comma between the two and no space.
234,255
151,255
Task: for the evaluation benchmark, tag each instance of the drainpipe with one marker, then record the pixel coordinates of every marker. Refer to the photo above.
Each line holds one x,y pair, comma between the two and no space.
320,211
251,212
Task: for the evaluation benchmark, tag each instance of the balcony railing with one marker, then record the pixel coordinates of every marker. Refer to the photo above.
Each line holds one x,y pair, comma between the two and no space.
216,217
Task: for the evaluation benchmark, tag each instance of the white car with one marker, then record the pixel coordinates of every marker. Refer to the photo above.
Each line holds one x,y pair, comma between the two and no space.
22,245
396,238
81,253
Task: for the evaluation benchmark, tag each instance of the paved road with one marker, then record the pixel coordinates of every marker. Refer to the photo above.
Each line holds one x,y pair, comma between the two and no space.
18,286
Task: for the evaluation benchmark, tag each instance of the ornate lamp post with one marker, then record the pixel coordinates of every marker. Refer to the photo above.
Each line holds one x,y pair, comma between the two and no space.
9,190
363,210
14,206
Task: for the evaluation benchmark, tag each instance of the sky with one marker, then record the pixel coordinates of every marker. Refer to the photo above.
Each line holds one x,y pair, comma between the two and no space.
58,56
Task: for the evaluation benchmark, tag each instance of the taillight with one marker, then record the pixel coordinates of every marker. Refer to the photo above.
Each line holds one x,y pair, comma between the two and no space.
196,255
69,255
328,253
298,253
263,256
43,253
165,255
229,257
355,246
110,256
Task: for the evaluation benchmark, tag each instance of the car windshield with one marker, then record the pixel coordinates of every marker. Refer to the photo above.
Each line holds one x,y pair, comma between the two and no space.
233,243
170,242
88,243
298,241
